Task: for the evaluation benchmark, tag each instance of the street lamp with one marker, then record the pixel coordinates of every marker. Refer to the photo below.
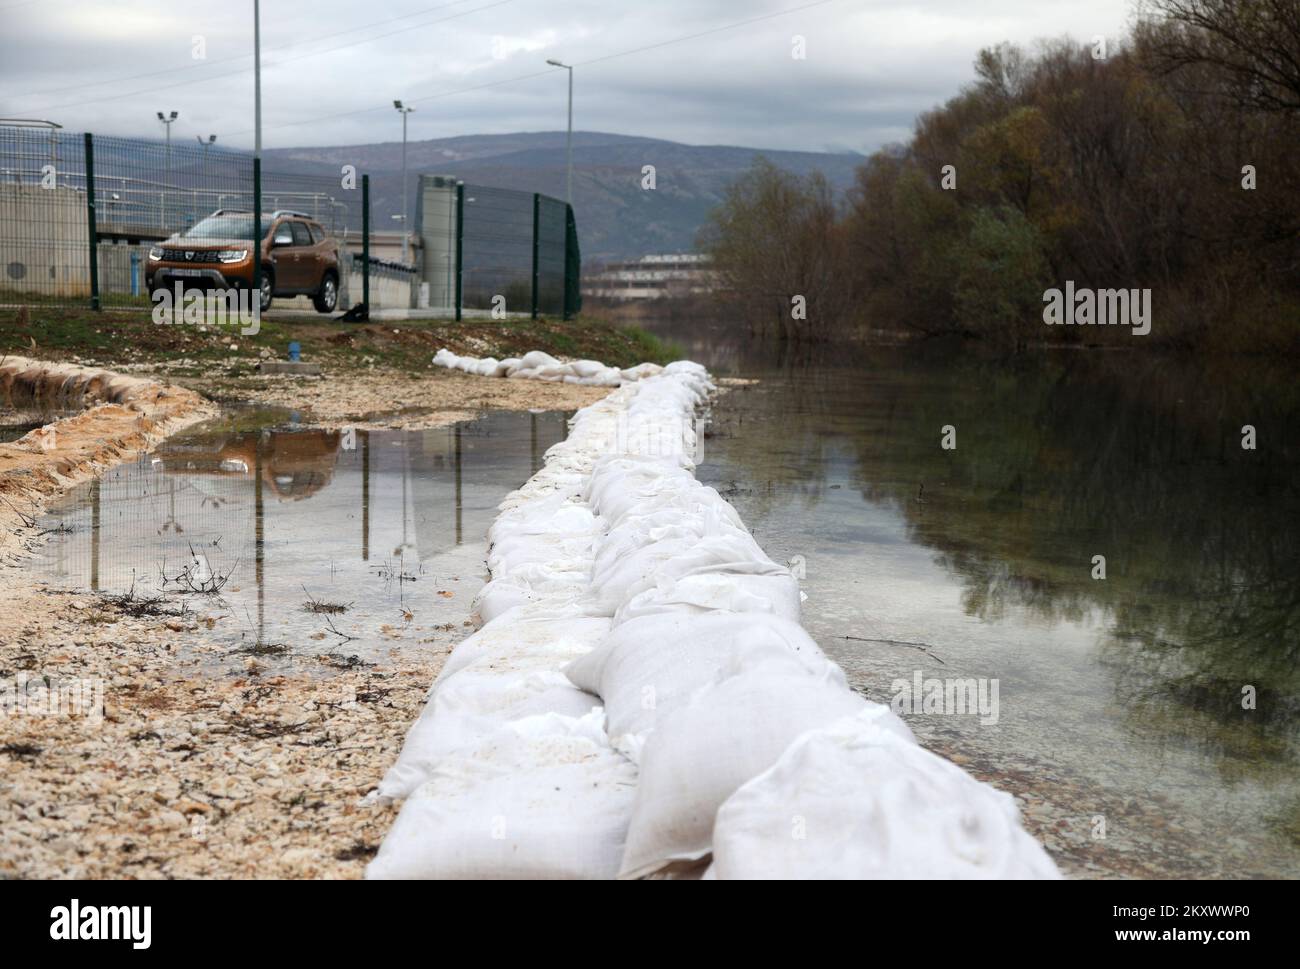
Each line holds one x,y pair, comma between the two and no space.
568,139
405,234
167,126
211,140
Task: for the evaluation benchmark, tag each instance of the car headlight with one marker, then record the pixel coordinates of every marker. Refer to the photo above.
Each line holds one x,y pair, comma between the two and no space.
232,255
156,253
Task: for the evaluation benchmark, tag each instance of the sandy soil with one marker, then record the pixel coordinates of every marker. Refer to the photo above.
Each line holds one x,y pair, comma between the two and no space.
255,768
390,399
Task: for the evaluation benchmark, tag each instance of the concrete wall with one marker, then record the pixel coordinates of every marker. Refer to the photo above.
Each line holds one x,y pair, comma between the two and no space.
389,288
435,223
44,244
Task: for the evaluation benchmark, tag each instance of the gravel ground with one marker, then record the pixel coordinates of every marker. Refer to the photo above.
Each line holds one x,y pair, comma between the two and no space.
133,744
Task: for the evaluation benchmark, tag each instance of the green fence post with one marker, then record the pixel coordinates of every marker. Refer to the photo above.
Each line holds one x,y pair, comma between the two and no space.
257,238
92,230
537,202
365,247
460,238
572,266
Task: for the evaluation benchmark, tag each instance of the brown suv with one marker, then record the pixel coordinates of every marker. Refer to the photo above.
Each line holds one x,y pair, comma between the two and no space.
298,258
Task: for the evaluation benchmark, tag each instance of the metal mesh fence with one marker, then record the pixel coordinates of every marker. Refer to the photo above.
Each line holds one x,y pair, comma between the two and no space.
477,248
44,249
550,255
497,249
145,192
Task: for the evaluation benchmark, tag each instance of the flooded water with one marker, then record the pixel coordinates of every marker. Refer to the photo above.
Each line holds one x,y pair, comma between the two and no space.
290,522
1147,719
1120,713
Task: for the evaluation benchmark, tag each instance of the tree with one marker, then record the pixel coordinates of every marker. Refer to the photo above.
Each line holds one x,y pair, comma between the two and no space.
1256,43
777,251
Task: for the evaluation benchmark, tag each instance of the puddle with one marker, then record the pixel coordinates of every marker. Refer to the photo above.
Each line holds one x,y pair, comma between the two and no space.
17,419
390,525
13,426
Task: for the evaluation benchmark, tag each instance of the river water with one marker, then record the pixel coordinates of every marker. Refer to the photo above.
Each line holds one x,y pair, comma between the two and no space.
1124,717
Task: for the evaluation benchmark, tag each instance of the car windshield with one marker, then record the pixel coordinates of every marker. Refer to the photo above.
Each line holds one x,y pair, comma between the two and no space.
235,226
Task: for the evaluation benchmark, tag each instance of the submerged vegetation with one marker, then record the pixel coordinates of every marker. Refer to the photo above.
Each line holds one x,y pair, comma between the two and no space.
1165,162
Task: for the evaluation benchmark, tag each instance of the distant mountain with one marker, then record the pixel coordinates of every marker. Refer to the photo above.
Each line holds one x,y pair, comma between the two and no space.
617,219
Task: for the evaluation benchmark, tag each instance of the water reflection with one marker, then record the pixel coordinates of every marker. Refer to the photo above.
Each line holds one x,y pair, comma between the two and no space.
1121,697
390,522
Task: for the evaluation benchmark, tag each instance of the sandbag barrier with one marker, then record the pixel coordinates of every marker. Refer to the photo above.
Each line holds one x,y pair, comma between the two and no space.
537,365
725,733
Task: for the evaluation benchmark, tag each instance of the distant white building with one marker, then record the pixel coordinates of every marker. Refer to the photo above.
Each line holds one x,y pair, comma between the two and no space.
660,276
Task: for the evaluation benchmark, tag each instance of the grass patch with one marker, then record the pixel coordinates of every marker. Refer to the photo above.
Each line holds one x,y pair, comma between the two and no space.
321,607
122,337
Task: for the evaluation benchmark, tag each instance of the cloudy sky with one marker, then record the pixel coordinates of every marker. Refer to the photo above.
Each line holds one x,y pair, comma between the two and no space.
696,71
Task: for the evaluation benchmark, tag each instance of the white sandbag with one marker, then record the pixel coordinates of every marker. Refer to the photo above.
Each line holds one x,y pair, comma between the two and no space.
628,571
647,668
468,707
545,635
538,365
854,800
544,797
618,483
587,368
641,370
537,359
726,735
700,592
502,679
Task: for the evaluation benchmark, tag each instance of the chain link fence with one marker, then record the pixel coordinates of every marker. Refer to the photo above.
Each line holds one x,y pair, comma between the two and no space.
80,215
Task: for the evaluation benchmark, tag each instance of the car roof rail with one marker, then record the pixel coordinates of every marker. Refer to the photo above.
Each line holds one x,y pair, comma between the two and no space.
297,215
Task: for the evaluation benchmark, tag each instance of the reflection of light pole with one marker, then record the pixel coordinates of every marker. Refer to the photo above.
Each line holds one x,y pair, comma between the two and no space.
405,234
568,139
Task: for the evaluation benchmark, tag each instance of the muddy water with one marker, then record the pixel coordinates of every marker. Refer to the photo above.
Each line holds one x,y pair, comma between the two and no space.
284,523
1120,719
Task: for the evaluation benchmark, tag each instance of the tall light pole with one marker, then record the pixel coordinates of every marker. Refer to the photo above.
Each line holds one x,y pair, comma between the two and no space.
211,140
167,126
406,236
568,139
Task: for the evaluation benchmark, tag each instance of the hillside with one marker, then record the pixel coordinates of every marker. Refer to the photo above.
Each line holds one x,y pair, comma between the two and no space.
616,217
